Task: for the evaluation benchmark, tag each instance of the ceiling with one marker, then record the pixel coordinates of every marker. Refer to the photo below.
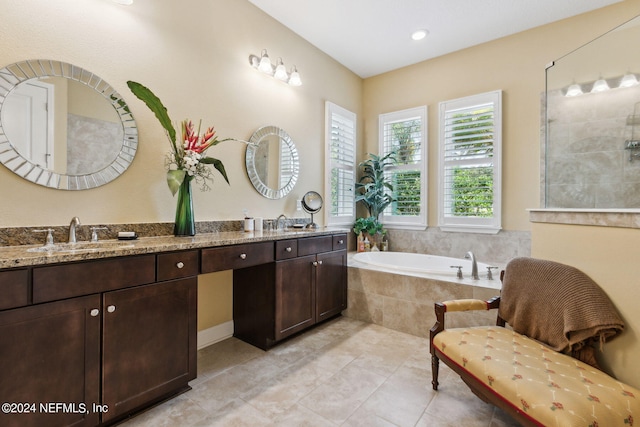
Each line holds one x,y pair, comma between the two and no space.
371,37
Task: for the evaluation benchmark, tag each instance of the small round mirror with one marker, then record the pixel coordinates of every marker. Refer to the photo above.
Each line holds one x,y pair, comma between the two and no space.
312,203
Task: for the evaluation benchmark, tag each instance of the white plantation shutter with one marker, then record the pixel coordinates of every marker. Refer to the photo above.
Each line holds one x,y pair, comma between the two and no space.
341,165
405,134
470,163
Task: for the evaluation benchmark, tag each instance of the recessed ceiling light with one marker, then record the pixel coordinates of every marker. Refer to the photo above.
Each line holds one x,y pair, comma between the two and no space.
419,34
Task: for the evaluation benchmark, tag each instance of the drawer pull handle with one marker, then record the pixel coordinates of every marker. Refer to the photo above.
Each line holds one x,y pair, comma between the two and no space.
288,249
95,312
341,242
111,308
317,263
180,264
243,256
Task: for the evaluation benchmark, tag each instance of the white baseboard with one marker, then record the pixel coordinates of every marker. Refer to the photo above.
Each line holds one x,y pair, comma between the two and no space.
215,334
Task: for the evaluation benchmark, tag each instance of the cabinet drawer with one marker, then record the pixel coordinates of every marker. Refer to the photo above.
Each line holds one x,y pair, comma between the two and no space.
177,265
286,249
84,278
14,289
339,242
314,245
237,256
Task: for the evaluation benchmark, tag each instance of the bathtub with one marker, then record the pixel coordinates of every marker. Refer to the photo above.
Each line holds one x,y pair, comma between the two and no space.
419,263
397,290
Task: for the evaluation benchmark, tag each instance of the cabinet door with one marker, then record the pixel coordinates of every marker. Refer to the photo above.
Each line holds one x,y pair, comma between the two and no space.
331,284
149,344
50,355
295,295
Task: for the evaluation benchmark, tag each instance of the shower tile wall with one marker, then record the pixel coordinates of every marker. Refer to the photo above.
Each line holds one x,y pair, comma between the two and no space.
587,165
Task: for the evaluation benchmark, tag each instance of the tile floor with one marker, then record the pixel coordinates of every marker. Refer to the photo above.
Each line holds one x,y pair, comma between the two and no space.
341,373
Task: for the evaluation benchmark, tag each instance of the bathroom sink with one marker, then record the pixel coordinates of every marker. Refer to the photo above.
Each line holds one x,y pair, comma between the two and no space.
82,246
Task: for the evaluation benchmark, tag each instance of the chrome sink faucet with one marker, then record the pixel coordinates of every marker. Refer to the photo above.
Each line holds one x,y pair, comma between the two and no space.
75,222
474,265
281,216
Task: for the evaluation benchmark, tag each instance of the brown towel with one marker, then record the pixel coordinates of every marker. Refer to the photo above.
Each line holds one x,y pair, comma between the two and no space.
558,305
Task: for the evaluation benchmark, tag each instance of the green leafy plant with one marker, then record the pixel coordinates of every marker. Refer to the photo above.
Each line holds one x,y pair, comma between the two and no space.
186,159
369,225
373,189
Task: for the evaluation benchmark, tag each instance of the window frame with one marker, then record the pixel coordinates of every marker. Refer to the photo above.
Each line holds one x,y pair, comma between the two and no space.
418,222
331,110
489,225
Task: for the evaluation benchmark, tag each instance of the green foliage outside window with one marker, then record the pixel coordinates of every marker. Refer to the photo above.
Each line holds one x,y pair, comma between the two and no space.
472,192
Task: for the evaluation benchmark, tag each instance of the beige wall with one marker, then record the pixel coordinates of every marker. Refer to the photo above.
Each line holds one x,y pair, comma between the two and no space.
514,64
194,56
606,254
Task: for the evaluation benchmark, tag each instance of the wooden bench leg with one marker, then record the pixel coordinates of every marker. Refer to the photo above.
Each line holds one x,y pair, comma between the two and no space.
435,365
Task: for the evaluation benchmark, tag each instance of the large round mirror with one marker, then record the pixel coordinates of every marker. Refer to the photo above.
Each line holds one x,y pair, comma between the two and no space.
62,126
272,162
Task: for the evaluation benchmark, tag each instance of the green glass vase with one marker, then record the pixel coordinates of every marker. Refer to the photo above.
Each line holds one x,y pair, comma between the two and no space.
185,224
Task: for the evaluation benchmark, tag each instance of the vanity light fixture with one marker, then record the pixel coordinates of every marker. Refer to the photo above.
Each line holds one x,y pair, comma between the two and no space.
628,80
600,85
574,90
281,72
294,79
263,63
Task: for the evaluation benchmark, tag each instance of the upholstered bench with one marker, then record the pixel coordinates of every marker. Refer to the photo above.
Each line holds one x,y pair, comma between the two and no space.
535,384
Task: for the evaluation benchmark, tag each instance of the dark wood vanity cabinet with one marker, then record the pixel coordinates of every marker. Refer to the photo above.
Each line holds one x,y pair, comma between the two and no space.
91,342
129,343
148,333
306,285
50,354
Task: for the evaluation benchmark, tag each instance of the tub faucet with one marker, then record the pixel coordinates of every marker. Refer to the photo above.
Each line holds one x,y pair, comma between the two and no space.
474,265
75,222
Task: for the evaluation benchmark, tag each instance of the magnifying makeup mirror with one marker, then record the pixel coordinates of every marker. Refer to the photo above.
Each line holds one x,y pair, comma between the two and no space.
312,203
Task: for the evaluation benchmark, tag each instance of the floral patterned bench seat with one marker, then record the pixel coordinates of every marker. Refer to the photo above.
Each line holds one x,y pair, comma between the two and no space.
543,369
547,387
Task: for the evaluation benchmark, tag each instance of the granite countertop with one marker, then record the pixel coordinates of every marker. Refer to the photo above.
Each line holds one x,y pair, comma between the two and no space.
20,256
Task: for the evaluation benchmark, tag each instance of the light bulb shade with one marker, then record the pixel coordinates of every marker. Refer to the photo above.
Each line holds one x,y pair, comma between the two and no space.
629,80
600,85
294,79
265,63
281,72
574,90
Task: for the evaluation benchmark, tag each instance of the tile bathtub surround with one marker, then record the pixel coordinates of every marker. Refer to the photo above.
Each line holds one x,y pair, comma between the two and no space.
344,372
488,248
405,303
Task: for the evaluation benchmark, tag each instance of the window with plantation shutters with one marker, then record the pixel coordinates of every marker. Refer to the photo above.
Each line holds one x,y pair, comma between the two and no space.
470,163
404,133
340,172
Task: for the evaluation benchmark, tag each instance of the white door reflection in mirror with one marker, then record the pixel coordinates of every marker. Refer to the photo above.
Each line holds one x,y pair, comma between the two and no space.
29,121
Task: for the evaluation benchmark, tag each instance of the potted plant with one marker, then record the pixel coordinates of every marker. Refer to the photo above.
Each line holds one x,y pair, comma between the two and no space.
374,191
